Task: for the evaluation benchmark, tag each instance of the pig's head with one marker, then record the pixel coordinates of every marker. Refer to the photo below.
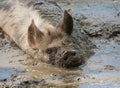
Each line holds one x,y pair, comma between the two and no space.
51,40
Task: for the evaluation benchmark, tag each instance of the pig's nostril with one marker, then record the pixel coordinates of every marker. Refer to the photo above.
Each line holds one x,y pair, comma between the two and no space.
73,53
70,53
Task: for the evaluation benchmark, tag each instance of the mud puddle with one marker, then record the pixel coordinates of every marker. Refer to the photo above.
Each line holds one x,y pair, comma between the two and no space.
104,66
102,70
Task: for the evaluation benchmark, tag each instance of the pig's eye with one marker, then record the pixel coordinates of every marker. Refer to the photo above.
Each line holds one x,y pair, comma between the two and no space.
51,50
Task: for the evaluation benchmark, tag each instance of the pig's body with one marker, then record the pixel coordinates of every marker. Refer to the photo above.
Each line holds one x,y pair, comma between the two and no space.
36,36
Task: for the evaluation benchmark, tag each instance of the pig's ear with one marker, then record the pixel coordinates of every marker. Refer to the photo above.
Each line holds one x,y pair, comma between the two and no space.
34,35
66,24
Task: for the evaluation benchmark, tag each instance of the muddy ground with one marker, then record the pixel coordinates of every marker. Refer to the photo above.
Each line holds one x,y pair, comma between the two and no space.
96,28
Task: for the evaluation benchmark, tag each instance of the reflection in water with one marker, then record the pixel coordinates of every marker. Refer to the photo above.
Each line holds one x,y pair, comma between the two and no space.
55,77
98,85
6,72
60,86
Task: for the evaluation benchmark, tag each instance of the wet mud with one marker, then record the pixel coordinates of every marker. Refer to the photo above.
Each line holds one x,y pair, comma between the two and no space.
96,28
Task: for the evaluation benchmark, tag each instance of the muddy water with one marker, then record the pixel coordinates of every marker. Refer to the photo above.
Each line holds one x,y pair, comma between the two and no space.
104,66
102,70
